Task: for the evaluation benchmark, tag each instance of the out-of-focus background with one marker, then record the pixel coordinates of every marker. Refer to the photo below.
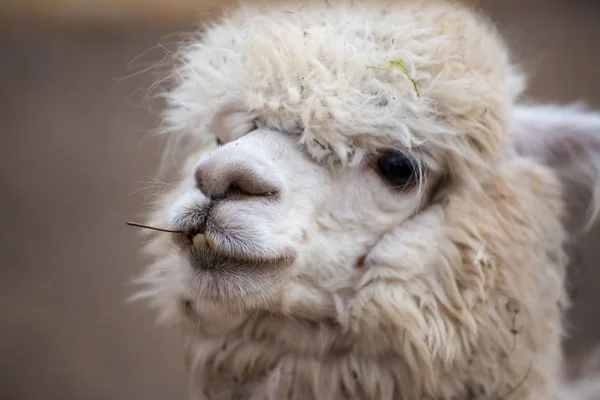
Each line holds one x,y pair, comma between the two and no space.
75,154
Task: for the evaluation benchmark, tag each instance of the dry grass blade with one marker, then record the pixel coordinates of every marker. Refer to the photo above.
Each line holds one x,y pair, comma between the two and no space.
138,225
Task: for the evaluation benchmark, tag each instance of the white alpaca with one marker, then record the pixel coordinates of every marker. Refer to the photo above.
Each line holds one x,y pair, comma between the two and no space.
383,220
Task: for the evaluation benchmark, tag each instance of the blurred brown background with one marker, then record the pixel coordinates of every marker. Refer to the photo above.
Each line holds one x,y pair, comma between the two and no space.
75,145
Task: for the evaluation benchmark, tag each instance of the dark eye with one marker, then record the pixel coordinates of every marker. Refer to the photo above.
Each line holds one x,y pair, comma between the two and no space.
219,142
398,170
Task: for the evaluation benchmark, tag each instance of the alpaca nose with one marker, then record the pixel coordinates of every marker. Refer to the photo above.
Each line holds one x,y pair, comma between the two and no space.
231,174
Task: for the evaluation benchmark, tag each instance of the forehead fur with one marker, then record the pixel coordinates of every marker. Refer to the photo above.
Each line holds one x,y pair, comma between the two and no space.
351,79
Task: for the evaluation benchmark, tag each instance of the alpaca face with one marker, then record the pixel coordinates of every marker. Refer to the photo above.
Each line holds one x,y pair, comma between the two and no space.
268,213
334,133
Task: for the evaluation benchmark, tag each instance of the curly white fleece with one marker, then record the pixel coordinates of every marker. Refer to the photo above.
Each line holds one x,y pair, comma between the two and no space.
461,295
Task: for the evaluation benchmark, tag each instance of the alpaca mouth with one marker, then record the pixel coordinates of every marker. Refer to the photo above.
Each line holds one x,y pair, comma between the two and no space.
212,248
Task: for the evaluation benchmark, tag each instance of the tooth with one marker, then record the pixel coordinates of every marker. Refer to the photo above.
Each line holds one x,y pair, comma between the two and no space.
199,240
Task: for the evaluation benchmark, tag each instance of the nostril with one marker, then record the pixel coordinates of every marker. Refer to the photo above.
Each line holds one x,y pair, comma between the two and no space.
237,174
245,189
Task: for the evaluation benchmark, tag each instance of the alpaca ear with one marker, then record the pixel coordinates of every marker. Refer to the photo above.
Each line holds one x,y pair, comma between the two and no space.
567,139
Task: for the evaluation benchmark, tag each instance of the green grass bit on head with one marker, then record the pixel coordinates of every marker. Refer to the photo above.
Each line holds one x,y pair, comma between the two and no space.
399,63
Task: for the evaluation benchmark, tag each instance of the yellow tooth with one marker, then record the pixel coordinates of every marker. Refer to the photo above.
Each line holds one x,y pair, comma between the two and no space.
199,240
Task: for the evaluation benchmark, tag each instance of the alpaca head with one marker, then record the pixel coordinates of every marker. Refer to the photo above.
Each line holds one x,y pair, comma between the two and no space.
373,177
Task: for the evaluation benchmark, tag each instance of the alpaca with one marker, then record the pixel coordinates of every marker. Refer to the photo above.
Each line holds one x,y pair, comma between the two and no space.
367,210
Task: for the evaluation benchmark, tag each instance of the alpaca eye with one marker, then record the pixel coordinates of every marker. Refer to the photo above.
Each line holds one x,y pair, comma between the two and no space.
219,142
398,170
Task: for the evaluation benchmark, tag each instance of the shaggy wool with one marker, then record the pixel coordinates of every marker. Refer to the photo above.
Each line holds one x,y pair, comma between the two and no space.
336,284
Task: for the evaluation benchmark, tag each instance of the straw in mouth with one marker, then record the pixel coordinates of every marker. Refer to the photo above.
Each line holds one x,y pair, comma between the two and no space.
199,239
138,225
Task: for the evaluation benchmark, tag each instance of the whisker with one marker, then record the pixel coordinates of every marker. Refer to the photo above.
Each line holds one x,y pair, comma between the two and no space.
146,188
